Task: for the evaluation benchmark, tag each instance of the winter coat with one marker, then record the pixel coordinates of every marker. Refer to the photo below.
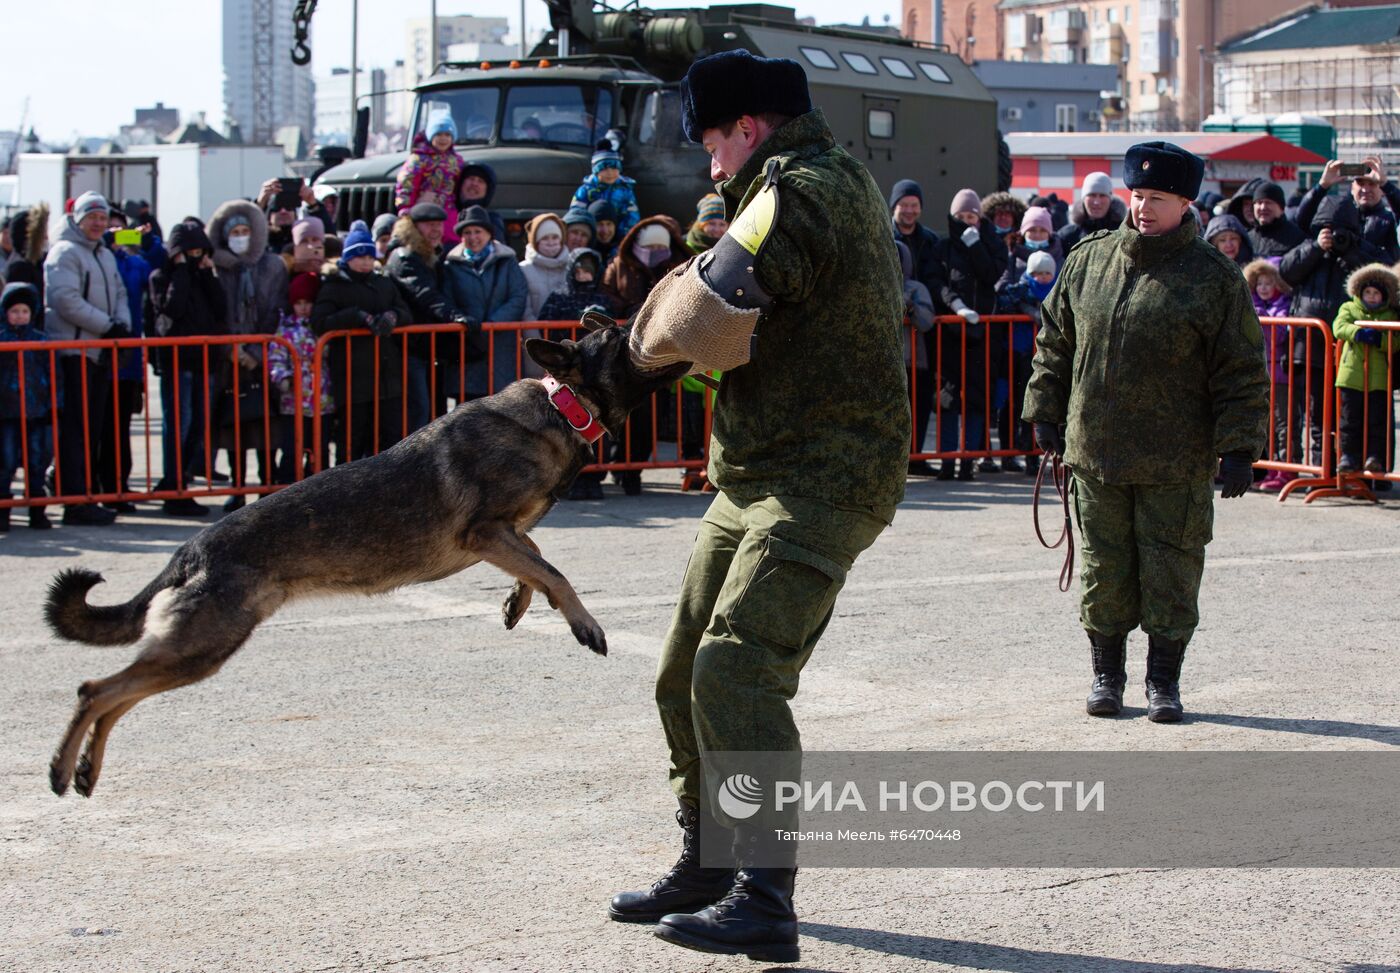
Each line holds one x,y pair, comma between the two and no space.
543,275
1276,343
923,251
1318,277
821,410
1363,366
187,301
38,380
136,274
84,292
1275,239
1021,294
620,194
280,367
254,284
418,269
491,289
1225,223
1377,222
343,301
918,311
570,301
971,272
1151,354
433,177
628,281
1081,225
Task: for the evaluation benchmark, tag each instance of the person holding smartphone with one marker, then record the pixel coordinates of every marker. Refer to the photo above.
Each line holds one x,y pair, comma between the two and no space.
1371,191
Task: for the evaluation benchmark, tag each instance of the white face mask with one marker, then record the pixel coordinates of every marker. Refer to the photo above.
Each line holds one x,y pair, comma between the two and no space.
239,244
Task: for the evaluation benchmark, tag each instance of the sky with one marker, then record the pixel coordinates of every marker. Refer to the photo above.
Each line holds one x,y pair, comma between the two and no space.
170,51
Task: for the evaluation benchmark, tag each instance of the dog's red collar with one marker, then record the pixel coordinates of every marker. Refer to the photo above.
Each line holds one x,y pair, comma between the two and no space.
579,418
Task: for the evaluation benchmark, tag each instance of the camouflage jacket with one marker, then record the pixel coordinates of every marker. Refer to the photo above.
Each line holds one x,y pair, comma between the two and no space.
1150,352
820,410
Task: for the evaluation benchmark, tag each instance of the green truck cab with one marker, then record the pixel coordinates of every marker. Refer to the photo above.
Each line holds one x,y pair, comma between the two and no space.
904,109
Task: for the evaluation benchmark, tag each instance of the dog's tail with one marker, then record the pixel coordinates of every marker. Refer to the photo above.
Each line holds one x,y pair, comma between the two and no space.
71,617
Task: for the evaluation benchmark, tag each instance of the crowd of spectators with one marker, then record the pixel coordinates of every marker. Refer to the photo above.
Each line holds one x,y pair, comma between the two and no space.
274,265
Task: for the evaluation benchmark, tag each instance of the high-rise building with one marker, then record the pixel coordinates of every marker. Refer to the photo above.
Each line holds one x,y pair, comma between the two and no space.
263,90
421,56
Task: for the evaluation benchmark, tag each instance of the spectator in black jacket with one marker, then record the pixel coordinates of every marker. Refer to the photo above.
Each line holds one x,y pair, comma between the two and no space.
1377,202
188,302
1273,233
1097,209
973,258
907,206
415,264
1317,270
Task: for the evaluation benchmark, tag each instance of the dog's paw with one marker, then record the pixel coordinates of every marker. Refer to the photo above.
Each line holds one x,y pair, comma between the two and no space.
590,634
513,608
58,780
83,778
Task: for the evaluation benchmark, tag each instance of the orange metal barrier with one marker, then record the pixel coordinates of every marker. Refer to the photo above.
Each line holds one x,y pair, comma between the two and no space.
247,389
1376,420
1299,355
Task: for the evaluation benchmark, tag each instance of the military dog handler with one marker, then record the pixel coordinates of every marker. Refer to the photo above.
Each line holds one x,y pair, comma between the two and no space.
801,305
1149,372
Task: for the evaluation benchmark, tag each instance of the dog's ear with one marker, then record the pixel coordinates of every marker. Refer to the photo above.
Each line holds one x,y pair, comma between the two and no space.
559,358
596,321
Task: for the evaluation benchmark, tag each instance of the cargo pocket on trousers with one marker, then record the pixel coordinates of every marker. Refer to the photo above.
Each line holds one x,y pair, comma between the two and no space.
1199,528
789,594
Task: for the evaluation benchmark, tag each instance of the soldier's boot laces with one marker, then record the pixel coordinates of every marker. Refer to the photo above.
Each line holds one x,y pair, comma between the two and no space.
756,919
1110,675
1163,675
685,888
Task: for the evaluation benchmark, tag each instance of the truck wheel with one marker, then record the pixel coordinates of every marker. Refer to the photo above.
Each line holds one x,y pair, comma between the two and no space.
1003,164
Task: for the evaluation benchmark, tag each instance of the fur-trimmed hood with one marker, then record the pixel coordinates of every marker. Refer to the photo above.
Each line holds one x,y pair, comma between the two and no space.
1117,213
33,241
218,233
1378,275
407,234
1262,267
995,201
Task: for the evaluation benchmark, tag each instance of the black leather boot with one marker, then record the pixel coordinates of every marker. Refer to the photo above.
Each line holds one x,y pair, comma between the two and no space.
685,888
756,919
1110,675
1163,674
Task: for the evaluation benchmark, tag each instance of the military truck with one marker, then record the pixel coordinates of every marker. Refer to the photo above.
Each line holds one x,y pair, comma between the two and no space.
905,109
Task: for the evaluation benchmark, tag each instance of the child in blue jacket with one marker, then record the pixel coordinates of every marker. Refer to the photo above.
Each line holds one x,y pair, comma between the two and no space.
608,183
24,418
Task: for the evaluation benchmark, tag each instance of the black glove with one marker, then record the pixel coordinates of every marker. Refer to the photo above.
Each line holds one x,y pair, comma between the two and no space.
384,323
469,323
117,330
1368,336
1050,438
1237,475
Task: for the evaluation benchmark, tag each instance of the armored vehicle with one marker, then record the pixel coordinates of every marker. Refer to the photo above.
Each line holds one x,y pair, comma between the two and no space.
903,108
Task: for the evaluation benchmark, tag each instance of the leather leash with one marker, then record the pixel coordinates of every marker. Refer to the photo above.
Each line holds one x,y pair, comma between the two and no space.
1059,475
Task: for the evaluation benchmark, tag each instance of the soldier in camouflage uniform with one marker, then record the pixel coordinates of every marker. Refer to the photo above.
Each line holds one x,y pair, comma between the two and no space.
809,455
1148,374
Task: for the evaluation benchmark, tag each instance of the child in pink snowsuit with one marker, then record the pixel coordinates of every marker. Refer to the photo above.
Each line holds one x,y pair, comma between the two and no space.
432,174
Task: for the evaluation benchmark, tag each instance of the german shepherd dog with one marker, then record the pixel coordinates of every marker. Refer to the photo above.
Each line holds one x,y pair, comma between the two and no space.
465,488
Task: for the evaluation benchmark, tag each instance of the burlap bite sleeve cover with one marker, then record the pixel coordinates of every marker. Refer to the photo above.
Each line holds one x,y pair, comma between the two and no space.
684,320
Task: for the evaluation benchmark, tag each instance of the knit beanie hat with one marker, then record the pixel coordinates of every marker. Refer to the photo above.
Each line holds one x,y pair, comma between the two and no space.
1100,183
1270,190
308,229
966,201
606,157
88,203
19,293
1037,216
653,235
1040,263
548,228
358,243
710,207
304,287
906,187
384,225
577,214
601,209
442,123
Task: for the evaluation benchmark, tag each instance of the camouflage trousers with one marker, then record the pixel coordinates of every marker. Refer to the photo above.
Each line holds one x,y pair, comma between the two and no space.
758,593
1144,548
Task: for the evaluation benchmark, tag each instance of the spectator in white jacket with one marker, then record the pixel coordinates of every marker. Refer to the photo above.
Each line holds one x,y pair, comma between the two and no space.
85,299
